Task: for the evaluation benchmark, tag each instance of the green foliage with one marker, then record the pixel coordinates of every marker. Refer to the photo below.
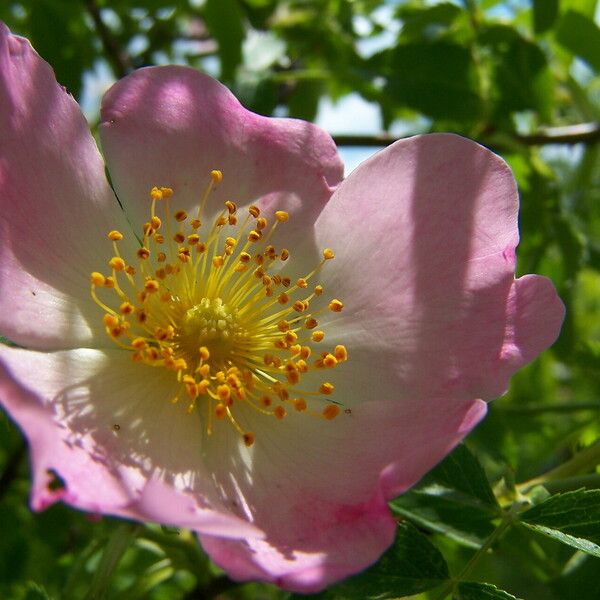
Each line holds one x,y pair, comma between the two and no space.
519,508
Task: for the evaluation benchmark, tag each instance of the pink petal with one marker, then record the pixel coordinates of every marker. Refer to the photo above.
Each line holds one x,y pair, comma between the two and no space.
68,404
170,126
56,205
319,490
425,235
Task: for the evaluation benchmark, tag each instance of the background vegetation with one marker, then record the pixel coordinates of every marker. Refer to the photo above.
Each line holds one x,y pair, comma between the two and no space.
518,507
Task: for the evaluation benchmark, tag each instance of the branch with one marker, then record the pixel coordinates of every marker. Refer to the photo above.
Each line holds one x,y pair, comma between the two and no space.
582,133
117,57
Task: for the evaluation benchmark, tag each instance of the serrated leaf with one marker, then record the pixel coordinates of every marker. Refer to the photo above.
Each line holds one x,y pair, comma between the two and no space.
454,499
224,20
581,36
545,13
412,565
468,590
572,518
462,472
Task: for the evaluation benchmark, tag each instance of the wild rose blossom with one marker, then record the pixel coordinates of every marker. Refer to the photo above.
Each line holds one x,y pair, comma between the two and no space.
254,349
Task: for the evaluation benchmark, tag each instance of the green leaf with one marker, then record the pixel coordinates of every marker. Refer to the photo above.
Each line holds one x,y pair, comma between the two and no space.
481,591
572,518
224,20
411,566
454,499
522,80
437,79
426,23
545,13
581,36
461,471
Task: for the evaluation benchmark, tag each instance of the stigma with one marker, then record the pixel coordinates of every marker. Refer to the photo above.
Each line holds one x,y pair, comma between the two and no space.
210,304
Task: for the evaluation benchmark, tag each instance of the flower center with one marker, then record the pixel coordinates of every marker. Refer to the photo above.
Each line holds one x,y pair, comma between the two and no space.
212,307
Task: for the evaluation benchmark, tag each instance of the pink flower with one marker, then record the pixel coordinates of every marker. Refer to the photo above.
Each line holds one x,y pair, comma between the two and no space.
177,386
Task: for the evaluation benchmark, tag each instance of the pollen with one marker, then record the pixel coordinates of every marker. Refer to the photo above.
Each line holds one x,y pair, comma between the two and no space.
207,301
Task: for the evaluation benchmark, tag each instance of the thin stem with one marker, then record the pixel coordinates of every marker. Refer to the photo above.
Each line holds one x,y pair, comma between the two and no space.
582,462
118,542
116,56
507,521
581,133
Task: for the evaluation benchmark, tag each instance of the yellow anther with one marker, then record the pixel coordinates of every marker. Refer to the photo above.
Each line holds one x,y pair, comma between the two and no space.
279,412
224,393
282,216
129,270
330,361
317,336
204,353
116,263
180,215
143,253
183,254
231,207
290,337
248,438
193,239
266,401
167,192
109,282
97,279
201,247
151,286
216,176
232,220
110,320
221,221
254,236
139,343
302,366
328,254
244,257
283,298
261,223
318,290
331,411
300,404
299,306
229,241
336,305
295,349
305,352
195,223
159,238
341,353
204,370
115,235
254,210
156,194
126,308
155,222
283,326
310,323
326,388
285,281
285,254
302,283
220,411
179,237
147,229
218,261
